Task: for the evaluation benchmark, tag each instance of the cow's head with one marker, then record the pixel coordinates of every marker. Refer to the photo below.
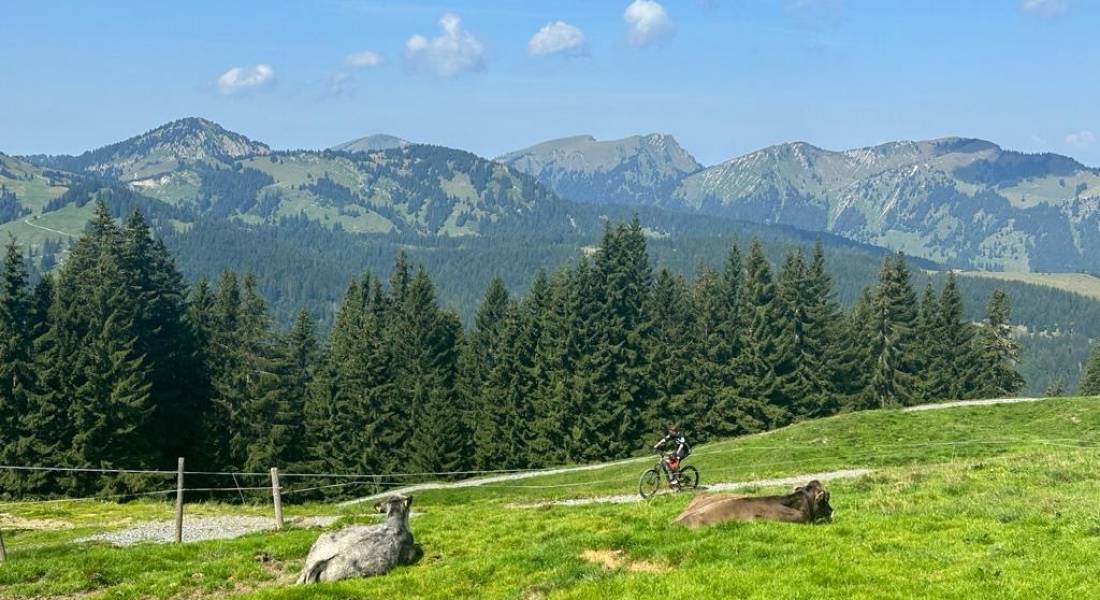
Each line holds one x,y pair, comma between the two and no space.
817,501
395,504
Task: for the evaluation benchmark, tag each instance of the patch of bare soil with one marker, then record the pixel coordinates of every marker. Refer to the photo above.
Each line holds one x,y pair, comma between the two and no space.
613,560
10,522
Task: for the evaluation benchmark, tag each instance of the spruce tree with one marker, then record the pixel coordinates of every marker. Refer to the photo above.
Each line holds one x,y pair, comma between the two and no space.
261,435
534,359
112,408
555,430
615,390
797,384
761,360
955,335
295,365
163,338
855,359
929,348
485,359
671,350
998,352
428,342
1090,381
821,361
587,412
17,372
893,351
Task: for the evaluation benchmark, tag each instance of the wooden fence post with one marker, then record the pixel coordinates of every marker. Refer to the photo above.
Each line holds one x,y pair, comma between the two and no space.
179,502
3,550
277,496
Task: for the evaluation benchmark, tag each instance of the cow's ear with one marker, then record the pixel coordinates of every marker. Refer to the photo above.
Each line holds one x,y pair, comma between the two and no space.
408,503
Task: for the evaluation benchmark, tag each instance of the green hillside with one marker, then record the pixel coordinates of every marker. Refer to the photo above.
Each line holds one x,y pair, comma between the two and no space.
963,202
1077,283
975,502
307,222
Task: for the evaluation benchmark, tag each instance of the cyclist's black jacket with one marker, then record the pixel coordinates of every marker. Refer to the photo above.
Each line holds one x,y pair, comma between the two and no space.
676,440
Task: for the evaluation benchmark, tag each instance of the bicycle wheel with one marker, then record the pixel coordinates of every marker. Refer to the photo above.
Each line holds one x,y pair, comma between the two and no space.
689,477
649,482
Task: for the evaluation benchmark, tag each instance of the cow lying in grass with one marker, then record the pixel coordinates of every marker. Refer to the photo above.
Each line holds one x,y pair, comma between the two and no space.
363,550
807,504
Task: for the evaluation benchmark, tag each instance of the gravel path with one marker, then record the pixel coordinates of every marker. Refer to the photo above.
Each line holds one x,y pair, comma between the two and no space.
528,474
493,479
199,528
943,405
718,487
37,226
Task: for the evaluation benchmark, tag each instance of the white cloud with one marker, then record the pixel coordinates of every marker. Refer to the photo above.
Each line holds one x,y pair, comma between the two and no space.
363,60
243,79
647,22
452,52
558,37
1046,8
1081,139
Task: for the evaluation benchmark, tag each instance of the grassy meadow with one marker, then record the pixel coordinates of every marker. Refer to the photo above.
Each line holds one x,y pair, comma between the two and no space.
978,502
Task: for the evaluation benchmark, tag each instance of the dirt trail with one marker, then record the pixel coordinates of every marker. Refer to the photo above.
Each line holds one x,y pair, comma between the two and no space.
37,226
970,403
717,487
494,479
646,459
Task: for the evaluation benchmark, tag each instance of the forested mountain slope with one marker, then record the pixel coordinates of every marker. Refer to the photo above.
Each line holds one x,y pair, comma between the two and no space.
306,221
963,202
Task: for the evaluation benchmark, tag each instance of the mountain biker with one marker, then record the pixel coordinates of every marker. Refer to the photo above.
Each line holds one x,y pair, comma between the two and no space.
675,439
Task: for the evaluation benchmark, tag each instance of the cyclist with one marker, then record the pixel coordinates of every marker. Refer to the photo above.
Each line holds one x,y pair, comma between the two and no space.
675,439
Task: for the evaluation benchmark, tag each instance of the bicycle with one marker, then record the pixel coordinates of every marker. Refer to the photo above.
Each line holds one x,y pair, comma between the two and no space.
650,481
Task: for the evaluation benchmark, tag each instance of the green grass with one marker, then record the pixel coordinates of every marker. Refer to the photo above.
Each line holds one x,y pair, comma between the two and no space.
980,502
1077,283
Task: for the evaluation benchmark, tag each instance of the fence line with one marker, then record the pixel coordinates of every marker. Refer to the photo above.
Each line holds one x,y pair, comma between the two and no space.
1066,442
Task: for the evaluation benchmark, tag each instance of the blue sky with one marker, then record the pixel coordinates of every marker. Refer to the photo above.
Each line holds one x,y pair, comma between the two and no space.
723,76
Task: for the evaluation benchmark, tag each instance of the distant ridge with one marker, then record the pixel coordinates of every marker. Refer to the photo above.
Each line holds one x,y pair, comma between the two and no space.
372,143
161,150
637,170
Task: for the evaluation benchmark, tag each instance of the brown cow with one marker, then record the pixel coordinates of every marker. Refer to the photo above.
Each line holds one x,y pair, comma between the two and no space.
807,504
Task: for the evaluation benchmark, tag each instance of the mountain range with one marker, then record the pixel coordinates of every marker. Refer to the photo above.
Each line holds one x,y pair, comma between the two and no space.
962,202
307,221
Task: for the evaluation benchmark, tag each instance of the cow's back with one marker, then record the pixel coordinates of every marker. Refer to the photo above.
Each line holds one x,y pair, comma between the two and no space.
720,509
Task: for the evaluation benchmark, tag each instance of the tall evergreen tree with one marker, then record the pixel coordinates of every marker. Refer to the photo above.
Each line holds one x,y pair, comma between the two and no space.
112,407
163,338
998,353
893,352
428,342
563,322
295,364
761,358
671,349
821,360
956,339
485,358
1090,381
17,372
929,348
